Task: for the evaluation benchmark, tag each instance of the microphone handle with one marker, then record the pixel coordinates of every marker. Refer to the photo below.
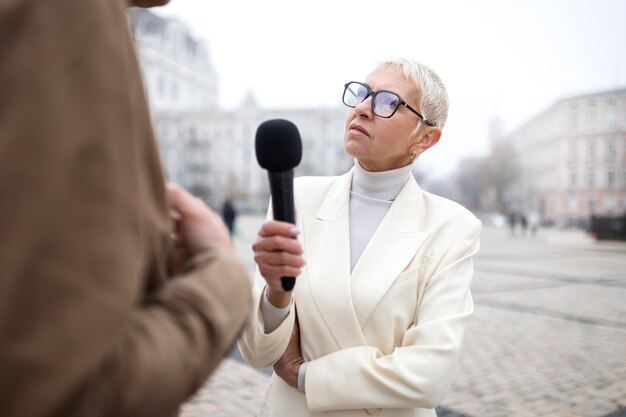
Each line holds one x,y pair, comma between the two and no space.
281,188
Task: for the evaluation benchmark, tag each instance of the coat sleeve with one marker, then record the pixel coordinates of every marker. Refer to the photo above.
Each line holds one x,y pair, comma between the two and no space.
258,348
418,374
171,343
84,329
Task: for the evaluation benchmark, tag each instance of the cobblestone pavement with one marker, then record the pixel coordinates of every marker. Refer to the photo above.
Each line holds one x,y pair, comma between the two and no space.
548,337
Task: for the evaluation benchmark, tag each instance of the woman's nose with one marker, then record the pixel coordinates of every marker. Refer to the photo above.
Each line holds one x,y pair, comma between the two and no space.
364,108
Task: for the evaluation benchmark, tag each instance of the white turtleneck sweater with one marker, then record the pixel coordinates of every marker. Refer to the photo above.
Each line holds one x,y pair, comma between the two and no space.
371,195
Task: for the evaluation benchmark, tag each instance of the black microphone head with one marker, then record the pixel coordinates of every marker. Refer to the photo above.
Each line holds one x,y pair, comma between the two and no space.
278,145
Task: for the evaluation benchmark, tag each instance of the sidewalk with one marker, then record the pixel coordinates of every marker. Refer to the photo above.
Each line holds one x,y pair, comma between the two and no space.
548,337
235,389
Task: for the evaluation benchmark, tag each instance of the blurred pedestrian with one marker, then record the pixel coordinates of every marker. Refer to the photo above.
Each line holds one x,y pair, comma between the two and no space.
229,214
91,321
376,319
523,224
512,222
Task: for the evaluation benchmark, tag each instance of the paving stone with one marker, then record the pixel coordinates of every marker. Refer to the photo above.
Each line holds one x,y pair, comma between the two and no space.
548,337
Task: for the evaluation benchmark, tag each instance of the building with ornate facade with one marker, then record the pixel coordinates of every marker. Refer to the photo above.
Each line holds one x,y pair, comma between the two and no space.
573,159
177,68
210,150
223,141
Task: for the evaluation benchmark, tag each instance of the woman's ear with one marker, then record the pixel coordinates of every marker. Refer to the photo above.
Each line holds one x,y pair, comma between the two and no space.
425,139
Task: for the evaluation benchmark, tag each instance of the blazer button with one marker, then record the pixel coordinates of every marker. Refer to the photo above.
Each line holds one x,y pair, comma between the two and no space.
373,411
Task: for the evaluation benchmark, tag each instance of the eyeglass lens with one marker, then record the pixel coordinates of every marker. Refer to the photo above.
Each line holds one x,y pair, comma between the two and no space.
384,103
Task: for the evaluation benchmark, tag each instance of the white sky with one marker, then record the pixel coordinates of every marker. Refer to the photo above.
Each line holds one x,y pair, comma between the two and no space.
509,59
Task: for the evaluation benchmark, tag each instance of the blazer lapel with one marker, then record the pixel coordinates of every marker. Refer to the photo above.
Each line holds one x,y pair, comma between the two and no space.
390,250
327,253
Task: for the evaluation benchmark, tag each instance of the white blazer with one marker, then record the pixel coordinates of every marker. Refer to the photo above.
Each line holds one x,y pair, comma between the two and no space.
384,339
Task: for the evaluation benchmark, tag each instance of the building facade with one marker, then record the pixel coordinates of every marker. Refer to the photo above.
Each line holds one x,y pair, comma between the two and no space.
177,69
573,159
217,159
210,150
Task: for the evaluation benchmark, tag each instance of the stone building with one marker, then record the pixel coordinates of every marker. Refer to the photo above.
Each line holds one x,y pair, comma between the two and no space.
210,150
225,141
177,68
573,159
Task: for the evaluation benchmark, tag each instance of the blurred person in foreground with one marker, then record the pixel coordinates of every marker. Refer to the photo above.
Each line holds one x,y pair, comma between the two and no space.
376,319
102,311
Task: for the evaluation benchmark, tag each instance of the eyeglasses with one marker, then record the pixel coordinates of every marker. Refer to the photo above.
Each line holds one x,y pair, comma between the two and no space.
384,103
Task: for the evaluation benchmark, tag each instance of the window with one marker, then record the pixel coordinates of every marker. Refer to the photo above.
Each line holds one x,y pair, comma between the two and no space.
591,177
609,204
610,149
610,115
610,177
591,148
572,178
591,206
591,115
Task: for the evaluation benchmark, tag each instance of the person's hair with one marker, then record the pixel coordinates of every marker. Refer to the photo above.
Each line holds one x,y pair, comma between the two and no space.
434,97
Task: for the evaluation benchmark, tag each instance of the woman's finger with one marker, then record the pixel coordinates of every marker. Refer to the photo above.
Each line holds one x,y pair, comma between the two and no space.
279,259
277,243
275,227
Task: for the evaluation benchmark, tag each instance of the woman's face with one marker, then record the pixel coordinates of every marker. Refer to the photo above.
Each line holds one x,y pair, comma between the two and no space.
382,144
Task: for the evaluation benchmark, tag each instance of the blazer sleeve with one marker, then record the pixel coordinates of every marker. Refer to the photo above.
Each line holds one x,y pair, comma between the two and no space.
82,216
418,374
258,348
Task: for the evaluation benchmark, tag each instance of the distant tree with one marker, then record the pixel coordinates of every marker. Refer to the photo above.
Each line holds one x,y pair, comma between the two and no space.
441,186
483,182
471,183
503,170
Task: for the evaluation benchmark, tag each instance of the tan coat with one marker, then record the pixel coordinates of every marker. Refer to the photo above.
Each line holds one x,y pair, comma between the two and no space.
384,339
90,325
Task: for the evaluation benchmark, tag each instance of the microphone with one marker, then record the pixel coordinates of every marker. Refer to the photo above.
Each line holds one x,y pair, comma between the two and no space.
279,151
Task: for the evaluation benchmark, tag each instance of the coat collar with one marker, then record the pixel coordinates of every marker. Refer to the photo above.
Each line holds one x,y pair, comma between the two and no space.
337,197
390,250
327,252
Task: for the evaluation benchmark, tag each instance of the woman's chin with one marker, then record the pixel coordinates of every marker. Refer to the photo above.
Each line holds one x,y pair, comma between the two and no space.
353,148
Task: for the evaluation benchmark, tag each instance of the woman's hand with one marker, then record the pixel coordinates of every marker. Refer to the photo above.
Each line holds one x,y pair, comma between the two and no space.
288,365
278,254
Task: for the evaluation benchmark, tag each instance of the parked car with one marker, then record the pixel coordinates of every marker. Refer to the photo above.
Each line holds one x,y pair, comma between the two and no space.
608,227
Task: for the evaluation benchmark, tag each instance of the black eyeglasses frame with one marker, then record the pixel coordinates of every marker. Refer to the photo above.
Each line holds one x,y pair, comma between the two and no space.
373,93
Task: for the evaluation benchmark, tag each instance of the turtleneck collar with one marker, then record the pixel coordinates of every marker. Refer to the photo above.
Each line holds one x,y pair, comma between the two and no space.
384,185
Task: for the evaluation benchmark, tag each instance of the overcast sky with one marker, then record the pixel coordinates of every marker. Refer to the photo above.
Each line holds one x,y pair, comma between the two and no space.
499,59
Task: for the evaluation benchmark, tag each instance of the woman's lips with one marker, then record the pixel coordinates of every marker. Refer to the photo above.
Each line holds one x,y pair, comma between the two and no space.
358,131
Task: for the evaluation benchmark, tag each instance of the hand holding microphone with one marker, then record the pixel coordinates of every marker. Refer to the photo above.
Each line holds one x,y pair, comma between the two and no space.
277,253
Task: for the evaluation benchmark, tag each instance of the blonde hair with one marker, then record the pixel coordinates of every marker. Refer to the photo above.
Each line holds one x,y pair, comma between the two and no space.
434,97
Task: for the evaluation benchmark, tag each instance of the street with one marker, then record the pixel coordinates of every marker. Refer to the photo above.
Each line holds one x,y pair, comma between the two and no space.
548,337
